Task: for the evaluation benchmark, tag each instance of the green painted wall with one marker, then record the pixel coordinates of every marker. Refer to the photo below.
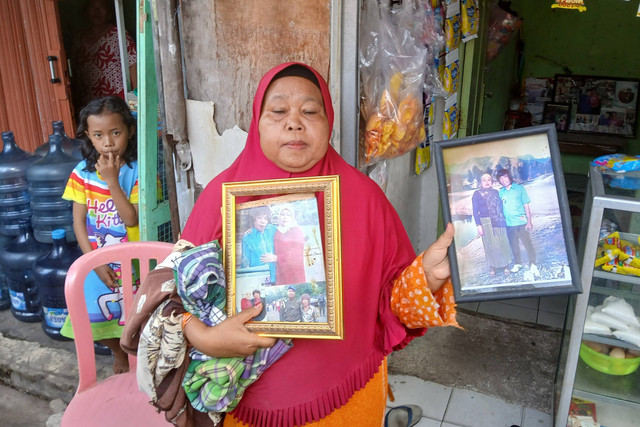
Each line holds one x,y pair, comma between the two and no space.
604,40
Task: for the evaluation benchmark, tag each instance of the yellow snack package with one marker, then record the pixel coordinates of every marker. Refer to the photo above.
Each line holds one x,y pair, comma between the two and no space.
470,19
450,122
451,71
452,26
569,4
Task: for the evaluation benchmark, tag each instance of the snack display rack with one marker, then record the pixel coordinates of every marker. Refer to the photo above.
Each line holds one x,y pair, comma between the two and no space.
581,390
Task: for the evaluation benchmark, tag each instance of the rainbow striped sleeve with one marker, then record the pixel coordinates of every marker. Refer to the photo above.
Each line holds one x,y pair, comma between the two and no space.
134,196
74,191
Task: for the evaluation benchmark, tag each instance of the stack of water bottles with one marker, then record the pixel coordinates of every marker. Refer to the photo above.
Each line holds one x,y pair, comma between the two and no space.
47,178
37,243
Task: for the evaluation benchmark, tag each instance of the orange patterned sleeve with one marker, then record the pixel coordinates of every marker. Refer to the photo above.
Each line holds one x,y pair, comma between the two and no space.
415,305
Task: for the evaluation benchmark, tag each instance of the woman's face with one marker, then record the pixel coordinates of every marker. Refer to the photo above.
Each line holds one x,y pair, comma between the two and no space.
486,181
98,12
294,129
285,217
305,303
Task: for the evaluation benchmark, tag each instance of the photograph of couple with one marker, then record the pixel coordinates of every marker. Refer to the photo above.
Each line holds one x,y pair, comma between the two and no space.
504,206
279,249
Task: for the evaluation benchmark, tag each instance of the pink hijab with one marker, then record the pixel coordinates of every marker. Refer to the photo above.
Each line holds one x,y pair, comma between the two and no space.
318,376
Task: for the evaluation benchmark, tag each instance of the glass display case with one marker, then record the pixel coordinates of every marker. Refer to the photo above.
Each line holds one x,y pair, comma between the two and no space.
597,375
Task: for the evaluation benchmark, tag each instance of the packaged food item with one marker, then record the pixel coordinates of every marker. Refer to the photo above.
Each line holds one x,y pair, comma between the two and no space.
452,26
621,310
569,4
452,71
619,256
502,26
450,122
631,335
470,19
619,170
607,320
392,70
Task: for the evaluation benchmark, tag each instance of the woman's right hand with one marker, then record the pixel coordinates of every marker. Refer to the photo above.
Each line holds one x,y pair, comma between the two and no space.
107,275
229,338
480,230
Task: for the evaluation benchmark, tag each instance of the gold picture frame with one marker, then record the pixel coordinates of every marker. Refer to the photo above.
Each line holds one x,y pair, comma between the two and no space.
275,243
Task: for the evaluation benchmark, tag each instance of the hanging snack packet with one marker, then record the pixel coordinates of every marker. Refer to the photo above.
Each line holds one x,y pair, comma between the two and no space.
428,109
502,25
470,19
450,122
452,26
451,71
569,4
423,151
423,157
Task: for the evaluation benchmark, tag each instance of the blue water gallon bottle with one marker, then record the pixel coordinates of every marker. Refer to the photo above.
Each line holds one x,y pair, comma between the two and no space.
17,260
49,272
71,146
47,179
14,194
5,300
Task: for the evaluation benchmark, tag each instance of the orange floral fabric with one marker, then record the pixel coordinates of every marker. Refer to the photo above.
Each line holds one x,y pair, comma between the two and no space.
414,303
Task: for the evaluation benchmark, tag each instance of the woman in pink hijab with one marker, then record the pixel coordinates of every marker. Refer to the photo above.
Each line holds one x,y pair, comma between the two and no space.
344,380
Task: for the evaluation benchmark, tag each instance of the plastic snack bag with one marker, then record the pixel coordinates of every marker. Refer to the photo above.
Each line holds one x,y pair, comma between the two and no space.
619,170
569,4
392,69
502,25
423,153
452,26
451,71
470,19
450,123
380,174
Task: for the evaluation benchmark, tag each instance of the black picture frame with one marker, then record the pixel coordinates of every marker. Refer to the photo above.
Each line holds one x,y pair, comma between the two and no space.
600,105
557,113
532,158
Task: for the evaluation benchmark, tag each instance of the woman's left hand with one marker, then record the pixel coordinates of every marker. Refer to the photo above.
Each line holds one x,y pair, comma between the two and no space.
435,261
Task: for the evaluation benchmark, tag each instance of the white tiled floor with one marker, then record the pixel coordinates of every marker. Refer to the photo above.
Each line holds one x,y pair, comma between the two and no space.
451,407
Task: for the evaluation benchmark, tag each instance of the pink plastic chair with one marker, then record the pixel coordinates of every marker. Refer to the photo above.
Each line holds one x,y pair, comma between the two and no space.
116,401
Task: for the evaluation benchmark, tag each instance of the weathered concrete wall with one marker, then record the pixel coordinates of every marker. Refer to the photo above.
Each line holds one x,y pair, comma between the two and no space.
229,45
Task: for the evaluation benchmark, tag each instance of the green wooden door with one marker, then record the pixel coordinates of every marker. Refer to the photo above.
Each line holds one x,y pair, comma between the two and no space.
472,89
155,216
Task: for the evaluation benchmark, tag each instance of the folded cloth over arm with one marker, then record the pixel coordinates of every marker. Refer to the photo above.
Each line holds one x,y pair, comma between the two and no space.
215,384
156,299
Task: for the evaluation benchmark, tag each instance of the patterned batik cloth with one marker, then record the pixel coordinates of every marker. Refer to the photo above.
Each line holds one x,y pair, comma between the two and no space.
215,384
161,349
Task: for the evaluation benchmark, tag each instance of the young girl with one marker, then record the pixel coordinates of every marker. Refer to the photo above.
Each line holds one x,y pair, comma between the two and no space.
104,190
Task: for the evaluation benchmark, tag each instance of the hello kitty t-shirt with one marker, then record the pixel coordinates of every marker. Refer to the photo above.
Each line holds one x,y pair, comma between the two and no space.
104,225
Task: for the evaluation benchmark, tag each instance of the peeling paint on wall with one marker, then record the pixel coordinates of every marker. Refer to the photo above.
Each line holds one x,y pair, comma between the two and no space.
211,152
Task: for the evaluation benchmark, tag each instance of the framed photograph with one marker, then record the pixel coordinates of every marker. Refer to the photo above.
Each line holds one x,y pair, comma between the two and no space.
504,193
599,105
282,249
557,113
